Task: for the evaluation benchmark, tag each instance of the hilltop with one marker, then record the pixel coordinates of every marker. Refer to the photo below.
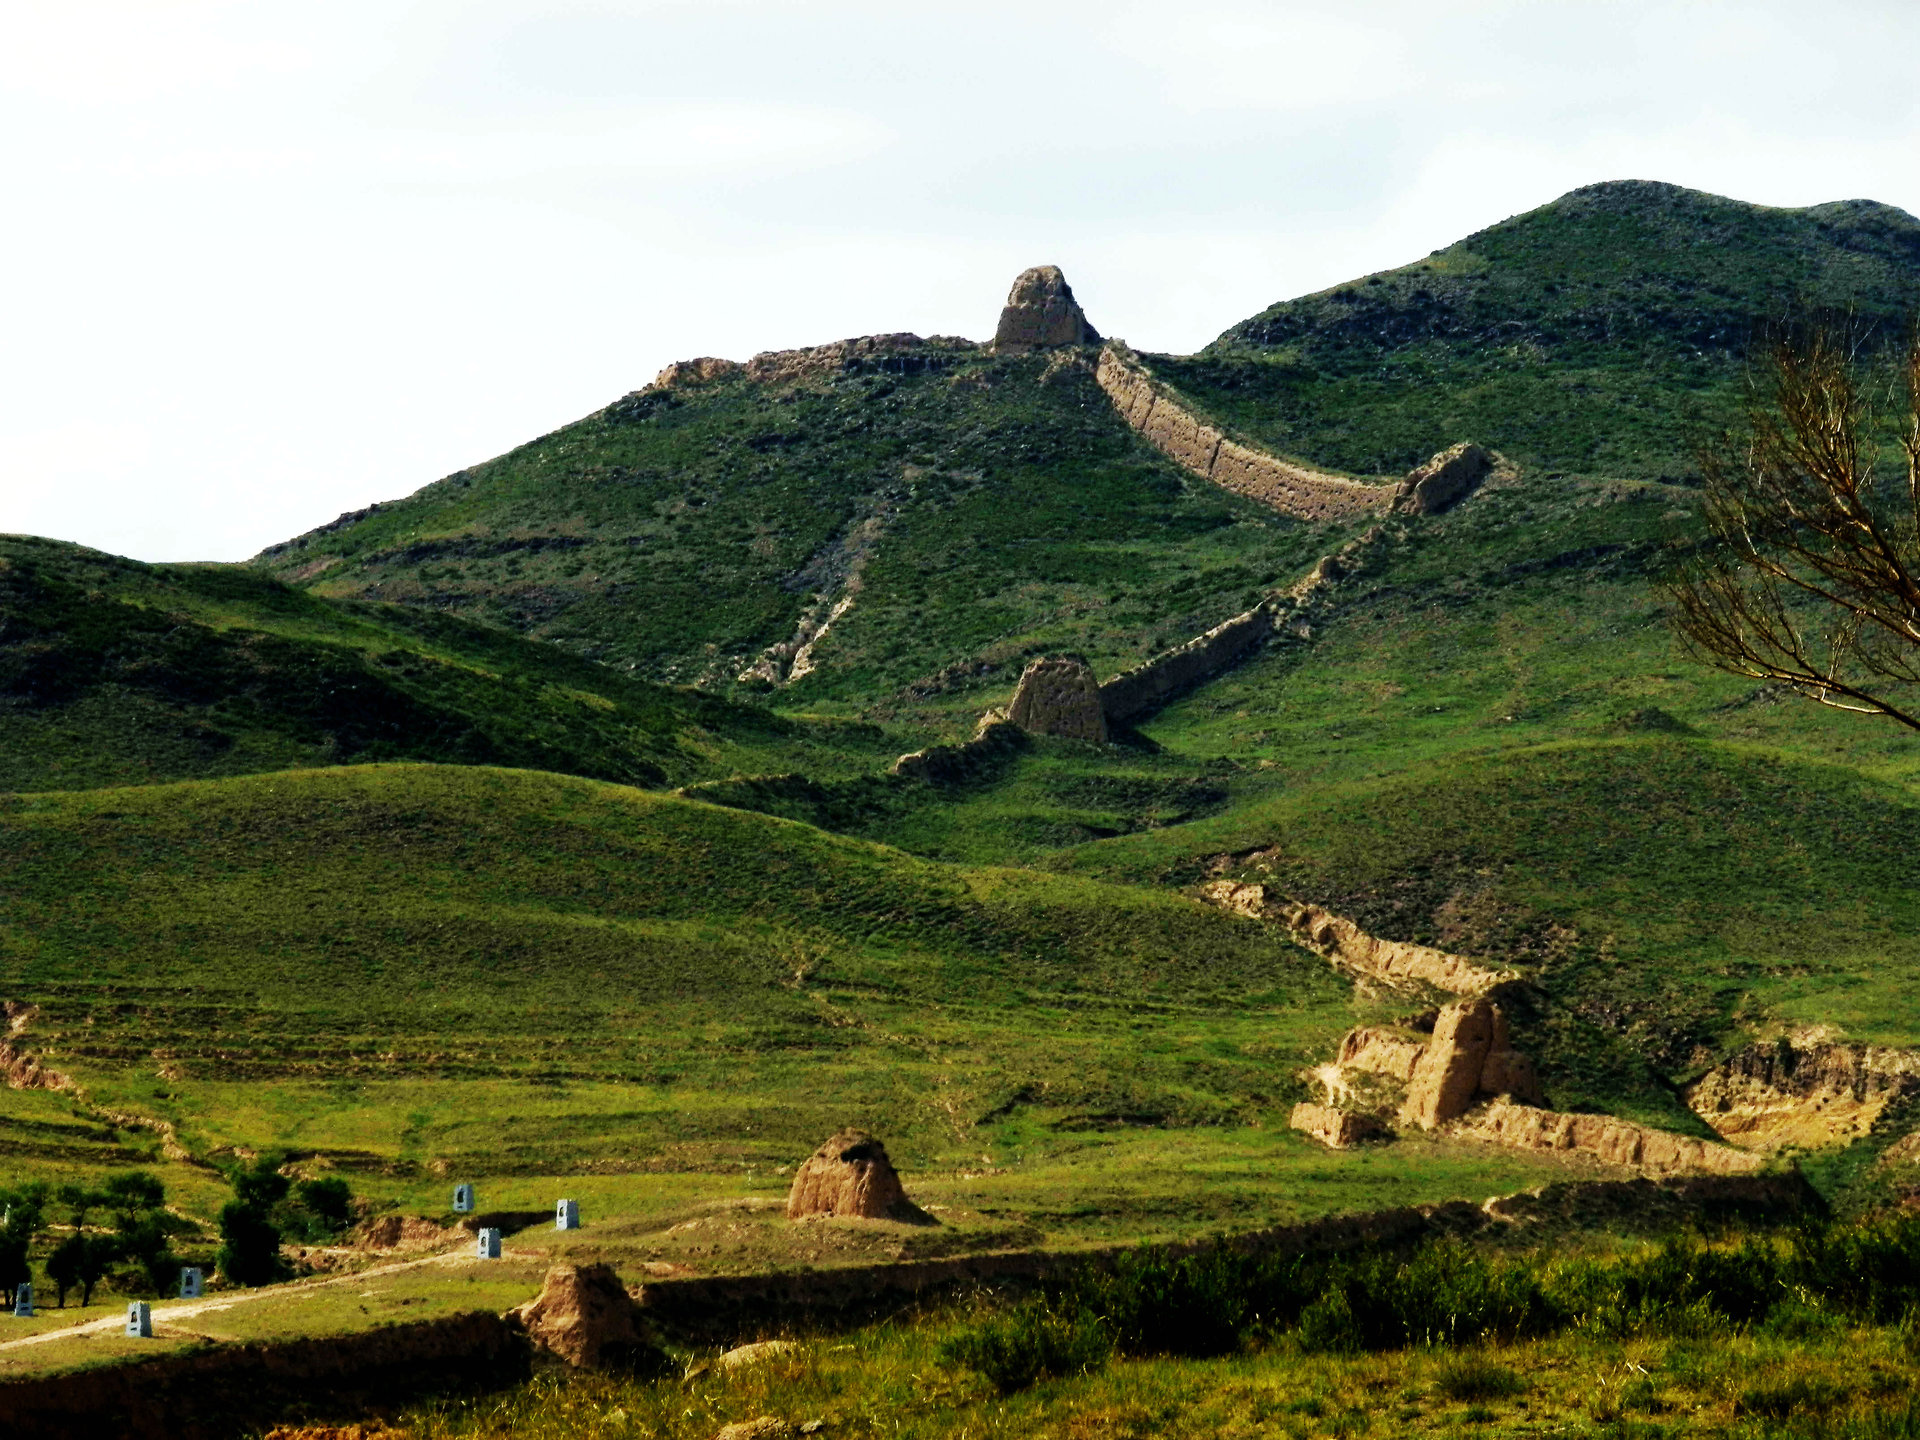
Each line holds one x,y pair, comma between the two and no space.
1597,334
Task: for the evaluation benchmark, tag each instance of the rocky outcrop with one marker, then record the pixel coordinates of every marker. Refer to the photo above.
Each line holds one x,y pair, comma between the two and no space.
1775,1095
704,370
584,1315
1041,313
851,1177
1336,1129
761,1427
1469,1058
1618,1142
758,1353
1172,428
1059,696
1443,481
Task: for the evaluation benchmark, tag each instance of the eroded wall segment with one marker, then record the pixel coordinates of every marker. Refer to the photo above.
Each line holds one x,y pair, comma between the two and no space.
1170,427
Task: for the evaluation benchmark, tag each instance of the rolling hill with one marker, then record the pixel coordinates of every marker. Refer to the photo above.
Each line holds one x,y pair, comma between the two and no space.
761,582
1595,335
114,672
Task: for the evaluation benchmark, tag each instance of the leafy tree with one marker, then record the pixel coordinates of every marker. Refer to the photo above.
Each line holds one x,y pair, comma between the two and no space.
249,1238
321,1209
80,1202
22,1213
143,1227
1811,575
81,1260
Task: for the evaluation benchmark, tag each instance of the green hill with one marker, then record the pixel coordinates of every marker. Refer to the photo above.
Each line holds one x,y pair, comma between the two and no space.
307,957
114,672
1592,335
976,510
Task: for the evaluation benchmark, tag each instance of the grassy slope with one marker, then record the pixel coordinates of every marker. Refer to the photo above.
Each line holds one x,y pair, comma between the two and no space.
1592,335
113,672
281,943
672,534
1494,746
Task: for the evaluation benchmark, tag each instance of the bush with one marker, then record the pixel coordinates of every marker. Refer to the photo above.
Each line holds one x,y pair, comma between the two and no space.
1033,1341
1475,1377
1157,1304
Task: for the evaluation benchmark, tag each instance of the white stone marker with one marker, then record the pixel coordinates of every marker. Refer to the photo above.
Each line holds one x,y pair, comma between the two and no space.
566,1215
463,1199
140,1320
489,1245
23,1303
193,1284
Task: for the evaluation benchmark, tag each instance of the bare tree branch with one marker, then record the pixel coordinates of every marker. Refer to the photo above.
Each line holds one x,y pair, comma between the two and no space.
1810,576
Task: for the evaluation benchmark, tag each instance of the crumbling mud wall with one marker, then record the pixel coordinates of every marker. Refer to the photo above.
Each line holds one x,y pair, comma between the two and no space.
1619,1142
1150,408
993,739
1136,691
225,1390
1396,964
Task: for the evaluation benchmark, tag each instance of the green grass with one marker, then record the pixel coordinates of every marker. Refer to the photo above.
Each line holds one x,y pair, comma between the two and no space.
1667,1370
1597,334
114,672
679,534
409,967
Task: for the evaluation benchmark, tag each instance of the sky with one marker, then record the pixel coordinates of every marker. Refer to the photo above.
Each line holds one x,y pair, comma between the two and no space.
263,262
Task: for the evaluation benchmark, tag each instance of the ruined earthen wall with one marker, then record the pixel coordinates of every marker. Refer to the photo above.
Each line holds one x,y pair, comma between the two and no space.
231,1389
1133,692
994,737
1177,432
1620,1142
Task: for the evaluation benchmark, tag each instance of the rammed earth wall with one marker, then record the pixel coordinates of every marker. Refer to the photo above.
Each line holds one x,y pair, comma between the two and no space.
1167,424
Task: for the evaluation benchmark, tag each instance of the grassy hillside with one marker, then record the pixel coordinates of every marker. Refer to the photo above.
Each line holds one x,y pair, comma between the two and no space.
114,672
250,953
1592,335
980,510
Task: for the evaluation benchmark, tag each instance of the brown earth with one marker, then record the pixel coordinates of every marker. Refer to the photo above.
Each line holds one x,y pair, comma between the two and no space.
584,1315
405,1233
1783,1094
1336,1129
1059,696
850,1176
1041,313
1620,1142
22,1069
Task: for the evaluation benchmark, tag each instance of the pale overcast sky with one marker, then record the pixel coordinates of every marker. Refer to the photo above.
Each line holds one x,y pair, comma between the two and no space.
264,262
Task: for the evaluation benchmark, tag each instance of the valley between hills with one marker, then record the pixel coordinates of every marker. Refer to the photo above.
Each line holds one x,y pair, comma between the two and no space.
1160,797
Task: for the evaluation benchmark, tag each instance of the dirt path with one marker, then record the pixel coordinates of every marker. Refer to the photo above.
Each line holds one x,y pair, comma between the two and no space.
187,1309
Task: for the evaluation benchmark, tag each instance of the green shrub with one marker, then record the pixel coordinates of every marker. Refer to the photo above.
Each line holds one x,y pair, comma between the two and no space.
1799,1394
1032,1341
1476,1377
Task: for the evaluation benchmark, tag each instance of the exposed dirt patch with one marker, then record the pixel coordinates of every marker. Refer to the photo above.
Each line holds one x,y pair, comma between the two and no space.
1780,1095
